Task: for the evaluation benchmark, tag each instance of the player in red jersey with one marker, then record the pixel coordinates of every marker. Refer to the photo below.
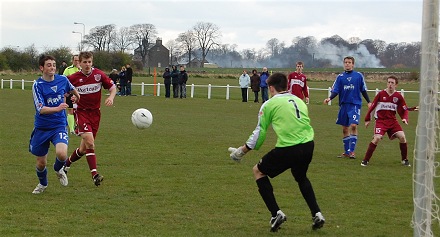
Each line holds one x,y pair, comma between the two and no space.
298,83
89,82
387,102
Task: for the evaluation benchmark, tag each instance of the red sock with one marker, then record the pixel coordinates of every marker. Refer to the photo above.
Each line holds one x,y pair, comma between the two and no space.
91,160
74,157
370,150
404,151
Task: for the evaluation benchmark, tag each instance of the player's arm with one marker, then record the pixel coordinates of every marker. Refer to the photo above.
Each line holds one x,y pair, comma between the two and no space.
402,110
111,97
332,96
371,109
76,96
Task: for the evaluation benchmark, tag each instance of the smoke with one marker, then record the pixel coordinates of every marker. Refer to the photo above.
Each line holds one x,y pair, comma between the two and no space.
335,54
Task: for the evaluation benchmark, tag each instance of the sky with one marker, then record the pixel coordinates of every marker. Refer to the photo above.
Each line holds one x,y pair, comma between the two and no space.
248,24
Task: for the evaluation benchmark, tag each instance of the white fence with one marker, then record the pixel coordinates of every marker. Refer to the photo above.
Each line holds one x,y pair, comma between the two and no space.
209,87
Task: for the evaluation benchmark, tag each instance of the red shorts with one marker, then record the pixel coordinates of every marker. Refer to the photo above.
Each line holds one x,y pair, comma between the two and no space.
87,121
391,127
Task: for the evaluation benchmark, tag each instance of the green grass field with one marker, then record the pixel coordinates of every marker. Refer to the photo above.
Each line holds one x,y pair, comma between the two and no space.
176,178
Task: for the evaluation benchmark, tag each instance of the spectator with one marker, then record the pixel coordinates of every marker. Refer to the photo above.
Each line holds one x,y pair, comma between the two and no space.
129,76
183,78
115,78
244,80
123,81
167,81
255,84
62,68
175,81
263,77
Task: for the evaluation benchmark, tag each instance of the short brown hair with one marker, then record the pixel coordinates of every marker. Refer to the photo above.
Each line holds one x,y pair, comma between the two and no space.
350,57
393,77
44,58
86,54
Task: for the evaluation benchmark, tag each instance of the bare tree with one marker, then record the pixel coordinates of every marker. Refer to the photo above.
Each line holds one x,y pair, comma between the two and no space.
274,46
187,41
143,35
122,40
100,37
173,48
206,35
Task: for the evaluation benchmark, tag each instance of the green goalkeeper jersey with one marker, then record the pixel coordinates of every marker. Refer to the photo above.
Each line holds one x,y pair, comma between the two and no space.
290,120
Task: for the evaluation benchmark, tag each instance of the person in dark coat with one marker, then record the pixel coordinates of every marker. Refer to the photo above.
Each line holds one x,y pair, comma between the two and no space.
167,81
183,78
175,81
255,84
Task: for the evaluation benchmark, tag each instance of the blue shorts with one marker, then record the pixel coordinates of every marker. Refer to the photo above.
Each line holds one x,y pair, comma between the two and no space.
40,140
348,114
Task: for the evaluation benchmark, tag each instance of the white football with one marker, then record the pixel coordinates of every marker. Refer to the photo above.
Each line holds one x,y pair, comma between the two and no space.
142,118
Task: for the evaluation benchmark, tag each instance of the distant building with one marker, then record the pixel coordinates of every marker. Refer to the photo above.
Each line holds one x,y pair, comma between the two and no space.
196,63
159,55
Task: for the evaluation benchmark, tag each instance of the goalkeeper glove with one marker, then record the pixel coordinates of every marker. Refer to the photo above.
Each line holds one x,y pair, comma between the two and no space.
236,153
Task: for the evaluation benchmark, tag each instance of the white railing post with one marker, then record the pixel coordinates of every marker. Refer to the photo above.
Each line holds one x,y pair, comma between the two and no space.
142,88
227,91
158,89
209,91
377,91
2,83
329,94
22,84
402,92
10,84
192,90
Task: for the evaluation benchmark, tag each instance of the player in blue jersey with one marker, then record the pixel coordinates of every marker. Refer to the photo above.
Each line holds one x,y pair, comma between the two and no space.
49,93
349,85
288,116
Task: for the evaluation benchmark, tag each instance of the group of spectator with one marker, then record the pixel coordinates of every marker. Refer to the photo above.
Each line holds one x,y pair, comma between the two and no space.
176,78
123,79
257,82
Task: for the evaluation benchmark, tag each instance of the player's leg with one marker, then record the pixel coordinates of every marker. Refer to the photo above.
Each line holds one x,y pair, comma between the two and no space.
60,140
39,147
371,148
342,120
403,147
301,156
89,142
265,168
353,112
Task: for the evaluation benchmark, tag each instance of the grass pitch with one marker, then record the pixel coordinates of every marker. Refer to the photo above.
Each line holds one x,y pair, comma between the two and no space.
176,178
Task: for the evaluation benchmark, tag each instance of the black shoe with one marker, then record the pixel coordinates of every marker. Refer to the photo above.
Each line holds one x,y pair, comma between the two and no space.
97,179
275,222
318,221
364,163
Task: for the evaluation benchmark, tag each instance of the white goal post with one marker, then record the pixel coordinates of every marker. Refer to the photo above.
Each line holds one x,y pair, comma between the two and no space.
426,202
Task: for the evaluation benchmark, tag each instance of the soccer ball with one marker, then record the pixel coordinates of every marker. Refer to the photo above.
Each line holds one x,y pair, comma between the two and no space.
142,118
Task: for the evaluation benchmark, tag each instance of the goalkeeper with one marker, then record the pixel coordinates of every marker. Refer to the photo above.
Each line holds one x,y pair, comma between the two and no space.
288,115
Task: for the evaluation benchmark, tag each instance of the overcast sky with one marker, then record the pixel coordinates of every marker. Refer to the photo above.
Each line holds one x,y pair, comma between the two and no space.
248,24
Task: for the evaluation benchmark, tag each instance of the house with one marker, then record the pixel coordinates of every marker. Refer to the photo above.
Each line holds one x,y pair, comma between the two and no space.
196,63
159,55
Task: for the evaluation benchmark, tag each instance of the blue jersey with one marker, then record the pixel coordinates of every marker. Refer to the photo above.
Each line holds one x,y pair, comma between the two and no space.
50,94
349,85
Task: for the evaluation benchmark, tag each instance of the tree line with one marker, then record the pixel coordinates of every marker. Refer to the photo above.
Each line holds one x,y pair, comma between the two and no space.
114,46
